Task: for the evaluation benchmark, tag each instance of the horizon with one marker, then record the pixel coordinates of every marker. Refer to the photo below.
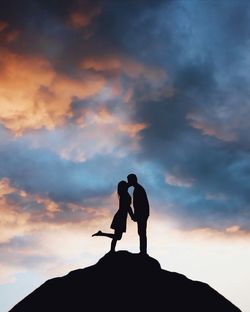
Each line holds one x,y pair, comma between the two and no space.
91,91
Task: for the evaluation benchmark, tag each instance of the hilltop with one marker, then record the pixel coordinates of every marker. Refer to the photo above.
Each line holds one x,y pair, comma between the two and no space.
123,281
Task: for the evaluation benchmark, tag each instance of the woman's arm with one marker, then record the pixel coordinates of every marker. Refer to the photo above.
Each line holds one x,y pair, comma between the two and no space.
131,213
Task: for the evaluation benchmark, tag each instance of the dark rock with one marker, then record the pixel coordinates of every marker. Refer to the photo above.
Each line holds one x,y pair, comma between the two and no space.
124,282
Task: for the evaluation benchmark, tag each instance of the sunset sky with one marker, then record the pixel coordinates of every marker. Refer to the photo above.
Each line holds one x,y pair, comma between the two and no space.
91,91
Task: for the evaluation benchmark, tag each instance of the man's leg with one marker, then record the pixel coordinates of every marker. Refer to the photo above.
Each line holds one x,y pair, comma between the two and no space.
142,231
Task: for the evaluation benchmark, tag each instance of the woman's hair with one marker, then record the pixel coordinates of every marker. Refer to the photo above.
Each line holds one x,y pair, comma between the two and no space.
122,187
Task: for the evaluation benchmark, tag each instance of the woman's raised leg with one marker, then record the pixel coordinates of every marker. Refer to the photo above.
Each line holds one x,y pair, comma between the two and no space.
100,233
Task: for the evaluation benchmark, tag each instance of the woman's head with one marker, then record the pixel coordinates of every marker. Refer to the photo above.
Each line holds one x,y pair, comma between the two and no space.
122,187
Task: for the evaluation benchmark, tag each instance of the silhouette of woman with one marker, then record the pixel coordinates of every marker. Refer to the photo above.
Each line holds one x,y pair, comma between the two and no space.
119,222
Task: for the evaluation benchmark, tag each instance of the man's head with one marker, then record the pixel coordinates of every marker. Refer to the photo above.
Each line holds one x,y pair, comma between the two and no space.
132,179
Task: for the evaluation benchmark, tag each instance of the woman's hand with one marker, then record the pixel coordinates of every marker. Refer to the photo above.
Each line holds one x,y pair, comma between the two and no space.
133,218
131,213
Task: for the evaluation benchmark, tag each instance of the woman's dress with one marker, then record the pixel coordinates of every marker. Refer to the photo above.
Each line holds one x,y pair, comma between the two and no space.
119,222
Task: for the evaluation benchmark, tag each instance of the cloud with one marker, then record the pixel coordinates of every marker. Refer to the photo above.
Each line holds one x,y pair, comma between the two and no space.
41,250
111,133
7,33
40,171
84,16
25,215
33,95
177,181
3,25
165,91
21,210
208,127
34,230
123,65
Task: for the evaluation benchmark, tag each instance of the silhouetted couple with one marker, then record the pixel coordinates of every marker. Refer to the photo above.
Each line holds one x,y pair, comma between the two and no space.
139,215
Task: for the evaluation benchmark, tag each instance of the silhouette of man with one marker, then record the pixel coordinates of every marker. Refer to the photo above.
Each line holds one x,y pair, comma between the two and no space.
141,210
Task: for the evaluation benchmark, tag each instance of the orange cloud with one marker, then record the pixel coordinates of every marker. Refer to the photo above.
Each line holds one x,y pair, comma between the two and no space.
7,35
5,187
3,25
33,95
83,17
11,209
41,238
216,129
124,65
132,129
128,95
104,116
51,206
16,221
11,36
12,214
13,220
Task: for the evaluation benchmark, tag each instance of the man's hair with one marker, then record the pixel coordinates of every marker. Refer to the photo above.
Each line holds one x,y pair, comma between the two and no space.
132,176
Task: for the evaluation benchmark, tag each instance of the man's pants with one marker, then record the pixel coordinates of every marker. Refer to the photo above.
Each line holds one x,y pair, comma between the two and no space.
142,231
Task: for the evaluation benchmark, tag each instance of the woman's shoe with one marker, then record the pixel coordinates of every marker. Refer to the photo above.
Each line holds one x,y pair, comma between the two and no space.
97,233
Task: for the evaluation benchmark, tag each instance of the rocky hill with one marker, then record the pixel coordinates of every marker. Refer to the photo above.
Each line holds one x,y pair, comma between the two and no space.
123,281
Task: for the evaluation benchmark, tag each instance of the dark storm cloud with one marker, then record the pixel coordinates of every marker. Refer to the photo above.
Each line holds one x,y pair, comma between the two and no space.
213,153
45,28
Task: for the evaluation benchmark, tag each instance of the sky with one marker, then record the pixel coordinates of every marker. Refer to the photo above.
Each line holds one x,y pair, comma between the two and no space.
91,91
